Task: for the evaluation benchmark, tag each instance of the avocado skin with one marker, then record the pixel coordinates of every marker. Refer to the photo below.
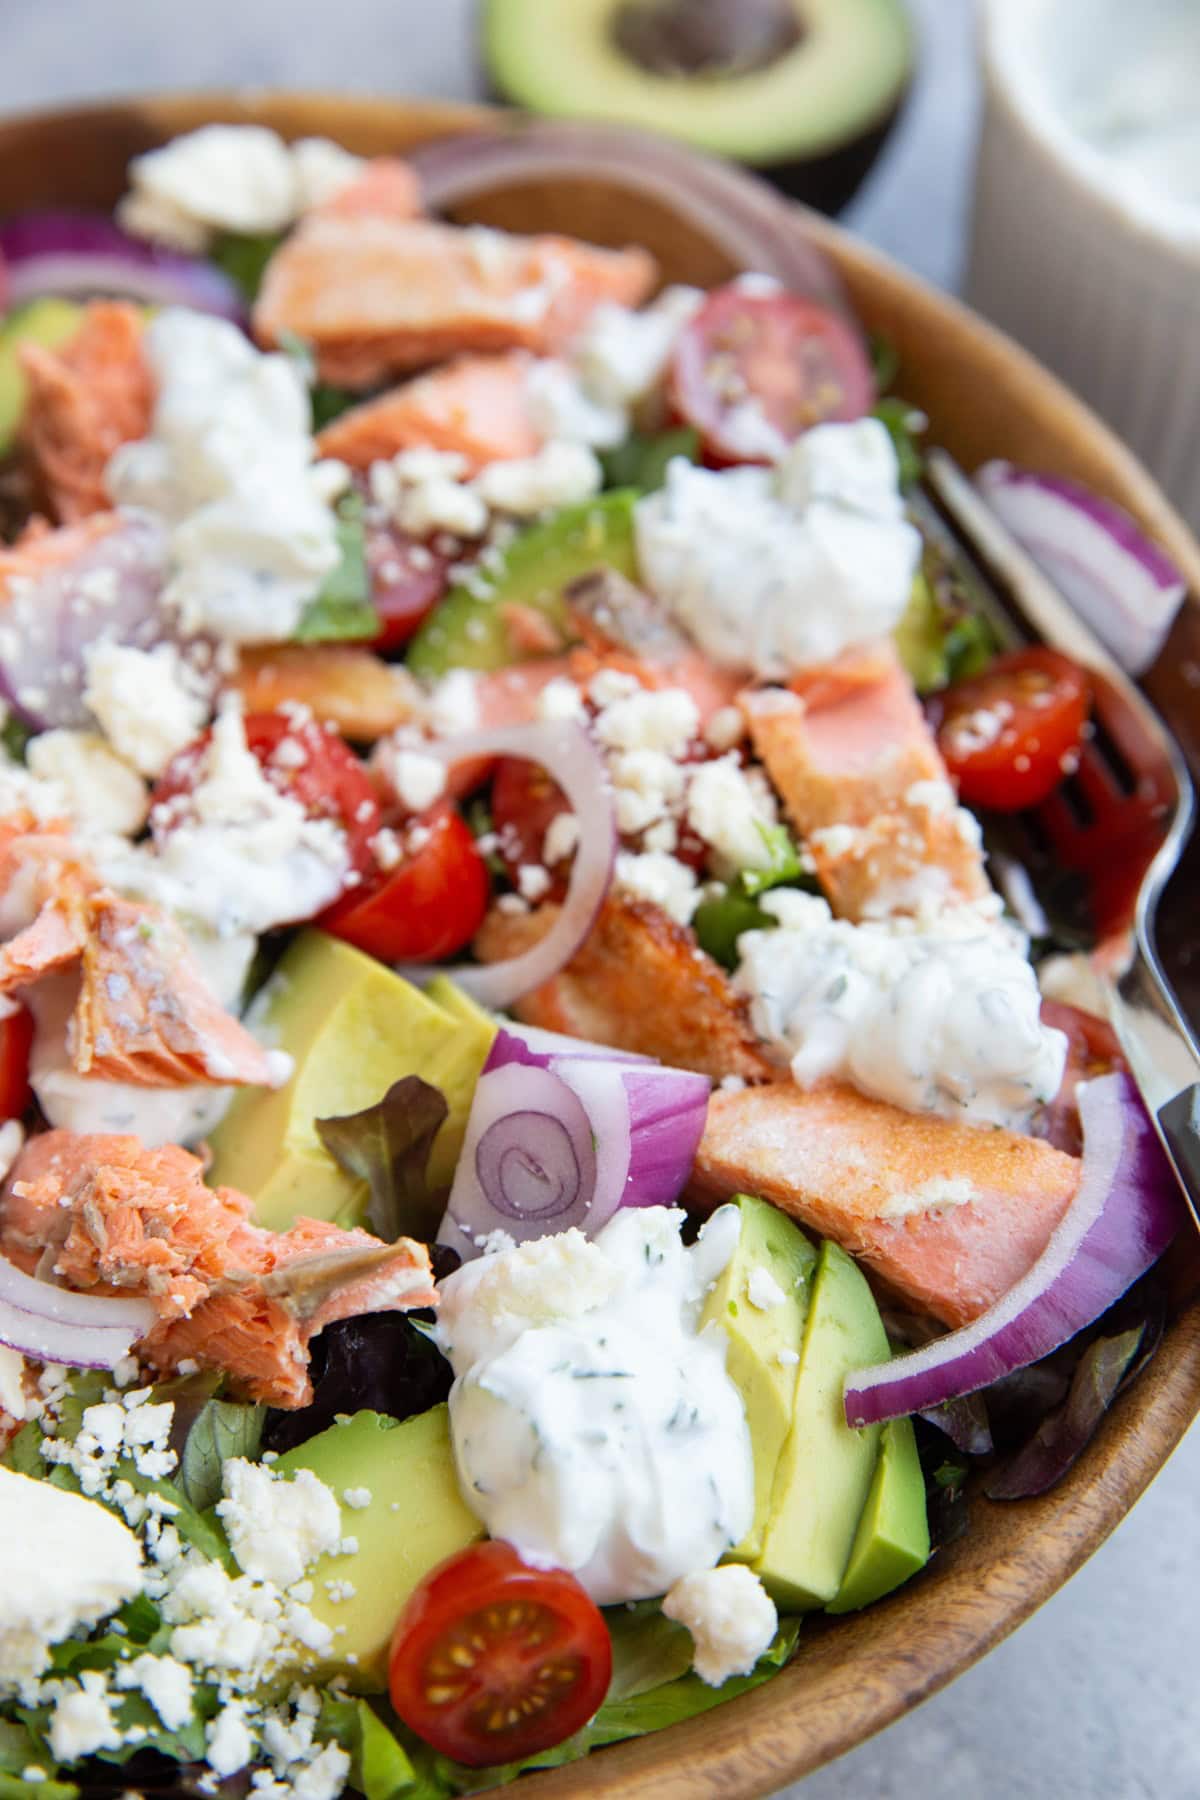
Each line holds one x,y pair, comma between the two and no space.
466,631
354,1028
408,1466
768,1240
892,1541
828,183
826,1467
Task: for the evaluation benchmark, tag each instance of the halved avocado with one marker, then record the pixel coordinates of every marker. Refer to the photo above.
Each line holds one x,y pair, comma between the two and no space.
805,90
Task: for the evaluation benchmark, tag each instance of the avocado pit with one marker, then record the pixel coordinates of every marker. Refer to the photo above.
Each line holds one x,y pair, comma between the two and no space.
706,38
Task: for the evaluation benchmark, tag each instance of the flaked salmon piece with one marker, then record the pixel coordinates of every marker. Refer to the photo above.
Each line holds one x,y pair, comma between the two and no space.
342,684
861,778
85,399
387,186
378,296
118,1217
946,1214
475,406
639,982
145,1013
510,696
58,934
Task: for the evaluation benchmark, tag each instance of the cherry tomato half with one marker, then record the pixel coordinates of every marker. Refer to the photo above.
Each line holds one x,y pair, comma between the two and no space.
525,802
302,759
1008,734
791,362
408,578
428,906
492,1660
16,1042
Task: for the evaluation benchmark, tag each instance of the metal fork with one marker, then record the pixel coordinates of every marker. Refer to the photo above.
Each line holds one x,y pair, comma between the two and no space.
1111,836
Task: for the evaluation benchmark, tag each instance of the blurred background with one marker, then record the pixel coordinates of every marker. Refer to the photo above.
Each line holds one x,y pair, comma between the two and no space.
1094,1698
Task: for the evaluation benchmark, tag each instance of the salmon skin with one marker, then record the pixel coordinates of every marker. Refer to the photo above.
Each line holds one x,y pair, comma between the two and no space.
860,775
376,296
85,399
119,1218
639,982
475,406
947,1215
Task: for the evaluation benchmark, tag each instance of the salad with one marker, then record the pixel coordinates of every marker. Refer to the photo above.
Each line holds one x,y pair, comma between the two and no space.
535,1154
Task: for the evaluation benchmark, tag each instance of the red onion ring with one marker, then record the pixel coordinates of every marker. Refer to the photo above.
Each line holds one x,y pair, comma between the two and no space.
53,1324
564,748
1125,1212
79,255
735,211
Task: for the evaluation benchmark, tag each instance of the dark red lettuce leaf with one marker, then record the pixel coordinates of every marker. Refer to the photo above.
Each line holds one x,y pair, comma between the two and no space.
381,1362
387,1146
965,1422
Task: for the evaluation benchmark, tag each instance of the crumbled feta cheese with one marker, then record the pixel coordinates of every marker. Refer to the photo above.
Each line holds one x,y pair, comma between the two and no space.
240,178
732,810
559,474
725,729
559,406
100,791
228,469
357,1498
143,703
562,838
655,875
14,1400
166,1683
663,719
325,1777
561,699
937,1014
770,570
229,1744
426,491
731,1617
82,1722
64,1562
277,1527
453,705
622,355
763,1291
646,784
417,780
533,882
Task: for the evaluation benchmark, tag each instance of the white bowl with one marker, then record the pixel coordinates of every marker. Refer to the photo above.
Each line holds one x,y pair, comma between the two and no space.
1082,254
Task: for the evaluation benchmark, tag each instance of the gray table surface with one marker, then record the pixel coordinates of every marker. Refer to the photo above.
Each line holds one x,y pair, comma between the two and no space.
1092,1700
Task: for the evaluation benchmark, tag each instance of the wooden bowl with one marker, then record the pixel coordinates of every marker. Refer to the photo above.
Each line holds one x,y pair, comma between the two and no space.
985,398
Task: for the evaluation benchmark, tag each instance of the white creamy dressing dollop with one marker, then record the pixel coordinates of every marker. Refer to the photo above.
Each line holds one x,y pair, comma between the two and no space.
771,570
937,1015
229,468
594,1425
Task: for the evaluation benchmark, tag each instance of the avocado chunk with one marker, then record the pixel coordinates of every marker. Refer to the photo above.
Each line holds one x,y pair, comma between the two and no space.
353,1027
761,1302
47,322
414,1519
892,1541
825,1468
469,629
804,89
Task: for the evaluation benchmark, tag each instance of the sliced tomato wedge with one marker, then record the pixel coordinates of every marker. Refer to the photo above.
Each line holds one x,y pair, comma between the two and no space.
300,758
525,802
493,1661
430,904
751,371
1010,734
1092,1049
16,1042
408,578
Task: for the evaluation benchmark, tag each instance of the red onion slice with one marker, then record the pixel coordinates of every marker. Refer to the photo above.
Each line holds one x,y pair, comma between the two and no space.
564,748
78,255
1116,578
506,1047
528,1163
52,1324
737,212
49,622
1124,1214
642,1122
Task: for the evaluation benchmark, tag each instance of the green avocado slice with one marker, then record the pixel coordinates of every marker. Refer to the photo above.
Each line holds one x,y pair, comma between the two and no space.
892,1541
832,76
469,629
826,1467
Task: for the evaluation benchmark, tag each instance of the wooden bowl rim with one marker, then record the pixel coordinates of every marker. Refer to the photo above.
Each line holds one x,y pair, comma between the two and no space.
901,1651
